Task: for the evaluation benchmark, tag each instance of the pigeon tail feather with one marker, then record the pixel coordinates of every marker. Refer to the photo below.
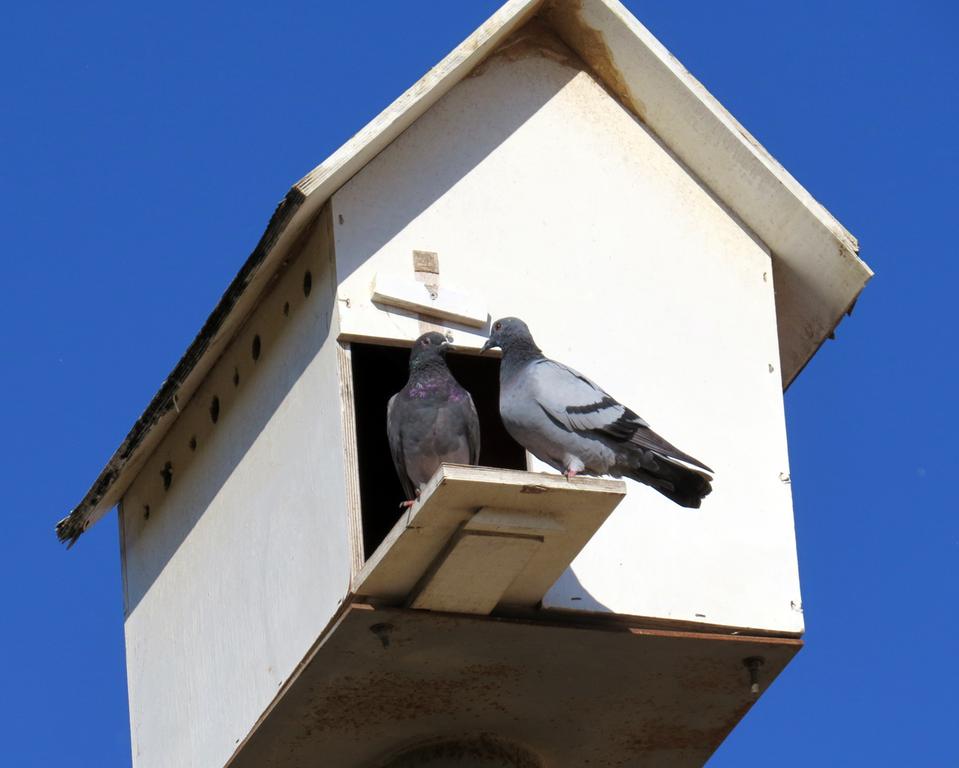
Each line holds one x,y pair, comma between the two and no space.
680,484
647,440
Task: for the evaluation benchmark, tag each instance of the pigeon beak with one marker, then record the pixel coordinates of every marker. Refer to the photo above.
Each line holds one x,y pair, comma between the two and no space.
488,345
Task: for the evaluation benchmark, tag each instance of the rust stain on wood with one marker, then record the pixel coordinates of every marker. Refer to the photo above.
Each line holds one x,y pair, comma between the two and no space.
565,17
534,489
535,39
426,261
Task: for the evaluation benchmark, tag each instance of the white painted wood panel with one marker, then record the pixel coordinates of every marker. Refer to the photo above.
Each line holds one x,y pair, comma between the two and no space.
437,302
245,558
817,267
544,195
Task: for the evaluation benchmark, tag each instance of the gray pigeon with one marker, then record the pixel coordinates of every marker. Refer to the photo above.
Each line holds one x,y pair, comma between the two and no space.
565,420
431,420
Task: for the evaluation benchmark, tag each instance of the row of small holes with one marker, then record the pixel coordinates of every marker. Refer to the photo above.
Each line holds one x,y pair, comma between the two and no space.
255,349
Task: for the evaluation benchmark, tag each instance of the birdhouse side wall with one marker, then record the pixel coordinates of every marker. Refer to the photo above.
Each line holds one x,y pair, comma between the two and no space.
545,198
236,549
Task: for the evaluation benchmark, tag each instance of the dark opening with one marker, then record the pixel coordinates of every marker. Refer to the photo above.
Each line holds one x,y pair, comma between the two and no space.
378,374
167,474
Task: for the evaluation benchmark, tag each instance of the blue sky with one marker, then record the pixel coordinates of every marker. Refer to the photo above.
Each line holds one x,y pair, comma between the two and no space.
143,150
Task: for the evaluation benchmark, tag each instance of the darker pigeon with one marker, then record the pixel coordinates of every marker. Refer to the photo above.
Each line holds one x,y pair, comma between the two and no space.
431,420
565,420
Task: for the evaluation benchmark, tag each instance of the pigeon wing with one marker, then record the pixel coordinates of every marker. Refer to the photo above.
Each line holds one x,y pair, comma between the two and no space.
576,404
472,430
394,433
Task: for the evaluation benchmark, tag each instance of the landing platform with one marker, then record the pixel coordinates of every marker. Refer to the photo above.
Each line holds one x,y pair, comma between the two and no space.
382,679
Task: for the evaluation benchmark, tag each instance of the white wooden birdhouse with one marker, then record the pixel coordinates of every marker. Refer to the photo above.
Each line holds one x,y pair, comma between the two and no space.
561,166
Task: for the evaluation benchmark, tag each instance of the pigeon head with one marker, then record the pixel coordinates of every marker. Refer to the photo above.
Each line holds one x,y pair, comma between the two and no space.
428,348
510,333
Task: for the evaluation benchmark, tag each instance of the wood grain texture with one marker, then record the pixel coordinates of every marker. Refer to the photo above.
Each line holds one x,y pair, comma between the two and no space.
354,512
563,513
474,573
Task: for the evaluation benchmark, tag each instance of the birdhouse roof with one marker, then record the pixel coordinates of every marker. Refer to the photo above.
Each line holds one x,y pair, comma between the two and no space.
817,271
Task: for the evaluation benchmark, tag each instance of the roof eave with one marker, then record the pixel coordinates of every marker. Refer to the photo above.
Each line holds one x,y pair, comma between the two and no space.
294,213
819,274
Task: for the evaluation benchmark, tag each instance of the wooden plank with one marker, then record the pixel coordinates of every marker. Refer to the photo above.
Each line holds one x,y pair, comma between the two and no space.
571,694
563,513
354,511
511,521
367,323
473,574
434,301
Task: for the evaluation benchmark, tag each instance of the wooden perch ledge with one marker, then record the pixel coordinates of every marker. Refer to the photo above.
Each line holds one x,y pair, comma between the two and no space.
481,537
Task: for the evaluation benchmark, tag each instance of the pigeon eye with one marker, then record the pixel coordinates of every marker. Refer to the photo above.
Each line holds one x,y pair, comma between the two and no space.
426,342
498,327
